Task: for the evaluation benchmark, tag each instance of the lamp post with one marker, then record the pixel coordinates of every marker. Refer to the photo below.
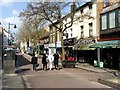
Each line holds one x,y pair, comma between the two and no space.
9,31
1,48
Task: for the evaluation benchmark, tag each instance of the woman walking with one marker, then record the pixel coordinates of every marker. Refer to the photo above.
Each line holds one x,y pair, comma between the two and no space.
34,62
50,59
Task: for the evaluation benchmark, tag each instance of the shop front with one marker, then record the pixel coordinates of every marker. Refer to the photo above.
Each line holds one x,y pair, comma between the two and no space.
109,53
53,47
68,44
83,52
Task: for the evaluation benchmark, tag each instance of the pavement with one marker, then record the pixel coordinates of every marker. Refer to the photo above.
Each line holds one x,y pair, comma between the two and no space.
1,79
12,81
113,79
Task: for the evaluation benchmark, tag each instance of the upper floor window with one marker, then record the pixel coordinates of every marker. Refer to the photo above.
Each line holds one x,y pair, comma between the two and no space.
103,21
81,11
53,40
90,29
112,19
90,7
71,32
118,17
106,3
82,33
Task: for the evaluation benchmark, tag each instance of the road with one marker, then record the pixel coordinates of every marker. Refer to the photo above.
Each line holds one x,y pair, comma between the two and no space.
63,78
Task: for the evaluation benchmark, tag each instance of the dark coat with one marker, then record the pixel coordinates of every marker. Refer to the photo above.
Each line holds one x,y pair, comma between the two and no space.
56,58
44,61
15,60
33,60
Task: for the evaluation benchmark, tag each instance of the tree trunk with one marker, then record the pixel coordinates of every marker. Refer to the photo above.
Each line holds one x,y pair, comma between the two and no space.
38,49
62,45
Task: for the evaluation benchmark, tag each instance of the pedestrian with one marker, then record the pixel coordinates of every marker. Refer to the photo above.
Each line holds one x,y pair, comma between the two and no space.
15,60
56,58
34,62
16,63
50,60
44,62
36,55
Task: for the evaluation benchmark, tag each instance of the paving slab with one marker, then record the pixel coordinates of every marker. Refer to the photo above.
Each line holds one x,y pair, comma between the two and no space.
12,81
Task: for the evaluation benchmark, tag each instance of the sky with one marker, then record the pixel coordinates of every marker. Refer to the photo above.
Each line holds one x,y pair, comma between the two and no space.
10,9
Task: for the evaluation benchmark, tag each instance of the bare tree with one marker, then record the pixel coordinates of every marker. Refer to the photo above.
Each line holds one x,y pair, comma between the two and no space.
51,12
25,32
31,33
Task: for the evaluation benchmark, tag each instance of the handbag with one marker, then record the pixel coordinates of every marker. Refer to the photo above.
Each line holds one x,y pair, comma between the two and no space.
37,65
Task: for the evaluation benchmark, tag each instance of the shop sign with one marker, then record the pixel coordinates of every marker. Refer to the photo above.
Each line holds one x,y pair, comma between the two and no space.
86,42
52,45
69,42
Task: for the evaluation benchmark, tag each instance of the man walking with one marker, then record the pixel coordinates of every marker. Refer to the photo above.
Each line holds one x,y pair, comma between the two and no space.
56,58
44,62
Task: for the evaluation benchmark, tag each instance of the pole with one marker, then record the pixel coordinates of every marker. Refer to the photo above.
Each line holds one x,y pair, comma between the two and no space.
1,48
8,32
98,52
55,40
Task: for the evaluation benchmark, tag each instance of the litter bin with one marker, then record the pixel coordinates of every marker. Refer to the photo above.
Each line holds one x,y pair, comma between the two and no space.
95,63
101,65
9,61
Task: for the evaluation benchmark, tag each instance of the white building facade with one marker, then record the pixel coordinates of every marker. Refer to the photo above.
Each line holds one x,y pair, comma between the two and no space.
83,31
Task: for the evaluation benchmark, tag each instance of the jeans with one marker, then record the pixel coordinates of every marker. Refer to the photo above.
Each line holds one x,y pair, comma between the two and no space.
34,66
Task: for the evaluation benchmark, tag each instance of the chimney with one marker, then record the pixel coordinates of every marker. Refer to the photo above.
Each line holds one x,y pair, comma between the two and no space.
73,7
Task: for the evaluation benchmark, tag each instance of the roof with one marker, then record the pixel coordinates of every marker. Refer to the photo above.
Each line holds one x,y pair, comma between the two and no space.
110,8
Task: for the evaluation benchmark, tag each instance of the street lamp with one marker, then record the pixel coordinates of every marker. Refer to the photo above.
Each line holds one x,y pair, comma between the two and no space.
9,30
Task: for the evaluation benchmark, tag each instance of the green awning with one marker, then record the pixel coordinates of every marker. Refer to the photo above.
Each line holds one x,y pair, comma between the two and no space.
106,44
83,47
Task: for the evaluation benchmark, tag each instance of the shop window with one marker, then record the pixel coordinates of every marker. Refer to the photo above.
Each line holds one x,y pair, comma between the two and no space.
112,19
103,21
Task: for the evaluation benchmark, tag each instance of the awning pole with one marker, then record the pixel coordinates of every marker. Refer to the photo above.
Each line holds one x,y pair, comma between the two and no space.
98,55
